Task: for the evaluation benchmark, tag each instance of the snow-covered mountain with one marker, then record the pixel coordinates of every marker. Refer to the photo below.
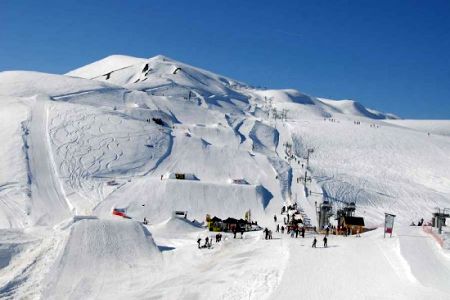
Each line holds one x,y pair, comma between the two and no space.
114,134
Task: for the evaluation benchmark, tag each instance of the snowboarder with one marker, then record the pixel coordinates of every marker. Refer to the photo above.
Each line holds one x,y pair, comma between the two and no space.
325,240
314,242
199,242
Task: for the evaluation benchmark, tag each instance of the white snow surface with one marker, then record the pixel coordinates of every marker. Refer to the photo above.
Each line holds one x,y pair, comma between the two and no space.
118,132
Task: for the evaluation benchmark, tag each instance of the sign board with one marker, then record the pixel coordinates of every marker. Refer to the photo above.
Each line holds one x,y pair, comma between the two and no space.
388,224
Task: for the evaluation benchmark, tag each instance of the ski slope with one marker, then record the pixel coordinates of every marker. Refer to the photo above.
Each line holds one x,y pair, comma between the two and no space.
118,132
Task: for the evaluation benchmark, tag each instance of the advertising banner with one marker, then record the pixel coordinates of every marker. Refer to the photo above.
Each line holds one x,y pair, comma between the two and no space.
388,223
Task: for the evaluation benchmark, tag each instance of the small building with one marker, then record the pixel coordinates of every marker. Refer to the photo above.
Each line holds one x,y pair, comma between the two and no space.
215,224
179,176
350,224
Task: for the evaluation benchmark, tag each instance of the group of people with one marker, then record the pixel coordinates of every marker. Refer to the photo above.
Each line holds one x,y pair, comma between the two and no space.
218,237
420,223
331,120
267,234
207,244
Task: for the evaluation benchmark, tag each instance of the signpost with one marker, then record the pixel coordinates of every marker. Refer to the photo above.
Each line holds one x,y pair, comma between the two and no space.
388,224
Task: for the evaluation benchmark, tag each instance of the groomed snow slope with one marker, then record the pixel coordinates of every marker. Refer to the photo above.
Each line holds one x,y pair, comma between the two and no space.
113,134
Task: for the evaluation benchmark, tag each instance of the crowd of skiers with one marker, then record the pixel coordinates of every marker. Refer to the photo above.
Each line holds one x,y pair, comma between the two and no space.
208,241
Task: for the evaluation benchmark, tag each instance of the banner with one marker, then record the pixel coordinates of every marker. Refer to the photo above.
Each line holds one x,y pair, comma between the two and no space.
388,224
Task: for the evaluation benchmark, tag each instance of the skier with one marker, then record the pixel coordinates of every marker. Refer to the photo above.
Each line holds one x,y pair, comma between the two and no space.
275,218
278,228
325,240
282,229
198,242
145,221
206,242
314,242
303,232
266,233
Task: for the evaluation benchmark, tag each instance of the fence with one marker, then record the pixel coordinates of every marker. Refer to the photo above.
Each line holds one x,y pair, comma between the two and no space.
437,237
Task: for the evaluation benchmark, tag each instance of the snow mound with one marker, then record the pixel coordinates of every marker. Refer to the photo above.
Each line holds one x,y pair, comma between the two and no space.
27,83
157,199
287,95
103,259
354,108
176,226
105,65
265,138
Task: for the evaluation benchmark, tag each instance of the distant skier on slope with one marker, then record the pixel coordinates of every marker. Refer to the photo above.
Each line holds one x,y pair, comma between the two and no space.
275,218
314,242
199,242
325,242
266,233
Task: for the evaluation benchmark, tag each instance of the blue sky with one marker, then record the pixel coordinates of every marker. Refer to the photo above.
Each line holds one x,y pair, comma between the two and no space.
390,55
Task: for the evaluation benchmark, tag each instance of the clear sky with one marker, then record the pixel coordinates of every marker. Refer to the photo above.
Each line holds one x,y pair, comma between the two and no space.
392,55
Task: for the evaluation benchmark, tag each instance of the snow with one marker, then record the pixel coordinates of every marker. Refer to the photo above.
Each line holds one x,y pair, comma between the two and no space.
114,133
109,258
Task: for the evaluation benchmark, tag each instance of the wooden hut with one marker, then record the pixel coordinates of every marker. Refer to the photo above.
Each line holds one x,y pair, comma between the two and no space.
352,225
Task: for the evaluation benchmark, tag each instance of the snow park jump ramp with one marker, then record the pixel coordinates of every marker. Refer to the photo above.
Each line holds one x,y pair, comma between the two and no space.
103,257
157,199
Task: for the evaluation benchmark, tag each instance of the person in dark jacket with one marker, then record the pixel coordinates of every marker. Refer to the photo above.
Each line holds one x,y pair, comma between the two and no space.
314,242
325,242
